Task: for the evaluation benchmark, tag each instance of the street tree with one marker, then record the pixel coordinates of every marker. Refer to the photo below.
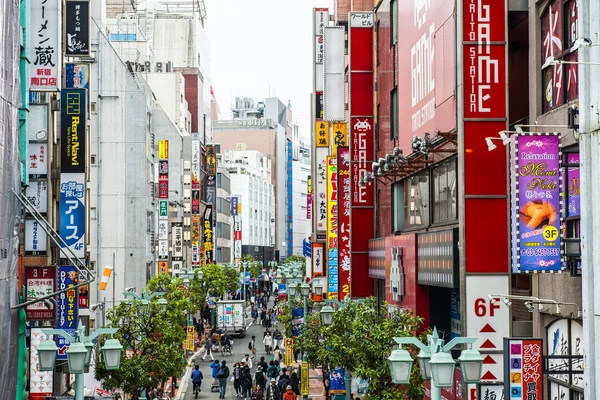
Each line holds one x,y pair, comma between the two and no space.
294,258
152,337
253,266
360,340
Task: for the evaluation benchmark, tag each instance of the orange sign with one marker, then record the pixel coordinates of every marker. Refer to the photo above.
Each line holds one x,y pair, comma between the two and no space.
163,267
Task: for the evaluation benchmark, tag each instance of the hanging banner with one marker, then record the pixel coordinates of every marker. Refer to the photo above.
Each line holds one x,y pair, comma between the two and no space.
309,192
207,230
72,213
41,383
72,130
536,194
320,197
234,206
163,229
340,134
572,187
45,50
35,238
344,203
163,149
211,161
77,28
304,372
163,209
196,239
67,307
195,164
332,229
177,241
77,76
163,267
37,195
318,260
523,368
38,163
40,281
322,129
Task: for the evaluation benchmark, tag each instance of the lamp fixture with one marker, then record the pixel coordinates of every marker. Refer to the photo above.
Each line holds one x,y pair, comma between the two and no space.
582,42
550,61
505,138
530,302
491,146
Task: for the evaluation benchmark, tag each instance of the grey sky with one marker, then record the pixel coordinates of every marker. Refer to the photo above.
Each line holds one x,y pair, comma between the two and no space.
260,43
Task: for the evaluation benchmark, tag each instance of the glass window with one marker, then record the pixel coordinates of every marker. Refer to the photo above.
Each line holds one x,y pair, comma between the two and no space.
398,206
443,178
394,22
394,113
416,194
219,180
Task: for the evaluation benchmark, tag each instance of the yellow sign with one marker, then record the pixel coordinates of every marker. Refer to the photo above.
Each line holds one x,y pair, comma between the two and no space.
211,161
189,343
163,267
195,228
322,130
289,351
304,378
163,149
339,136
332,227
309,185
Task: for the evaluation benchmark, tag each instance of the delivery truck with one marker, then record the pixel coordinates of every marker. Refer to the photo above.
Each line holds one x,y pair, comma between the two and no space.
231,316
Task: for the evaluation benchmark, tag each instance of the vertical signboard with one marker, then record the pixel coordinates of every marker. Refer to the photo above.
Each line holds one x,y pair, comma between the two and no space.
536,189
309,196
320,197
72,213
321,20
40,281
362,151
523,365
334,67
73,130
37,195
77,76
45,45
68,305
77,28
207,231
41,383
177,241
37,148
322,129
344,202
196,226
36,238
332,228
340,134
195,218
163,193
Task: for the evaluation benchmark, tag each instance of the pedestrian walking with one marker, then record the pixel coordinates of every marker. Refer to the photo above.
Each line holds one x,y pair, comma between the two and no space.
268,342
246,383
277,337
277,354
237,376
273,370
263,364
247,360
273,392
289,394
208,349
295,383
260,378
253,345
222,375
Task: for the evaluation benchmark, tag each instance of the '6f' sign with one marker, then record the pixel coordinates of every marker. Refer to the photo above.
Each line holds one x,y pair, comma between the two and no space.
485,307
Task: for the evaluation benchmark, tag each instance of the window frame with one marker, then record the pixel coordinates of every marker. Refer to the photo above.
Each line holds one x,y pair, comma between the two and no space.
393,22
394,120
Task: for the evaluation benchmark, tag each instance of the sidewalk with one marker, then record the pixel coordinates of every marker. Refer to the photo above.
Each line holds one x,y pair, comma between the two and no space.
315,385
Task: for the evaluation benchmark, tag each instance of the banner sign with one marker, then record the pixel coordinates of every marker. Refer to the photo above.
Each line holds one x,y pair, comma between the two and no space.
163,267
77,76
340,134
72,130
38,163
309,198
536,194
332,229
45,50
163,209
234,206
77,28
195,164
317,260
163,229
35,238
41,383
211,161
37,195
207,230
196,239
40,281
163,249
322,129
523,365
304,378
67,307
320,197
37,134
177,241
572,186
163,149
72,213
343,168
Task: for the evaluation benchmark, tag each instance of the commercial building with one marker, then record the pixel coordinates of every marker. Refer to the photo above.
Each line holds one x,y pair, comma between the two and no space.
301,220
224,227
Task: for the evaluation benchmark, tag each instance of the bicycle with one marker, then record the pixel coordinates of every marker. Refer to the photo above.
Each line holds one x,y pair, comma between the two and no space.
227,348
197,388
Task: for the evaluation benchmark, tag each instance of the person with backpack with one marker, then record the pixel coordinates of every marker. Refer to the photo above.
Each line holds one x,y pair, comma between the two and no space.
273,392
196,380
247,360
289,394
246,383
260,379
263,364
222,375
273,370
295,383
284,380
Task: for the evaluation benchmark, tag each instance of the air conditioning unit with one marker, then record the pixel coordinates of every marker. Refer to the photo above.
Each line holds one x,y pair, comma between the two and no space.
147,66
169,66
158,66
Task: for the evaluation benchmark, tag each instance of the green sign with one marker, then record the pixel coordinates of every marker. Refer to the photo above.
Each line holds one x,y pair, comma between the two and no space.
163,208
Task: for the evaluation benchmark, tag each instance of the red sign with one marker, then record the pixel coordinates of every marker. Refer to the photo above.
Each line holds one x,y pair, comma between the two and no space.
84,297
362,151
523,369
163,189
237,235
40,281
344,203
484,75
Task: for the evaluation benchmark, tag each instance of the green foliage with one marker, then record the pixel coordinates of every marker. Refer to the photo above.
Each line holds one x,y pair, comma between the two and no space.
254,267
152,337
294,258
285,317
232,279
360,339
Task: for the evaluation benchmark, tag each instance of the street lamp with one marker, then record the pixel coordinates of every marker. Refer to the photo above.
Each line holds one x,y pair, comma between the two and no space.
319,290
471,364
77,353
400,365
327,315
305,289
292,289
442,369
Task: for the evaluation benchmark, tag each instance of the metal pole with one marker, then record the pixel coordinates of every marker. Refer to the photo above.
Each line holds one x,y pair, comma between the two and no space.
78,386
114,282
436,392
348,383
244,297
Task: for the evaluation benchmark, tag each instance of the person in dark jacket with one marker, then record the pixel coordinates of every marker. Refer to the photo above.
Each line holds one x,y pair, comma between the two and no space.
263,364
208,349
260,378
273,392
237,379
295,383
284,380
222,375
246,383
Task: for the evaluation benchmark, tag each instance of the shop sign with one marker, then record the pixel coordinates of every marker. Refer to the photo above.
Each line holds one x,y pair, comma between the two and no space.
332,229
344,203
523,365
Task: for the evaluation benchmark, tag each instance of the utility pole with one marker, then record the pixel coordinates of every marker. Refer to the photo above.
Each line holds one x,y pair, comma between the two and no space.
589,152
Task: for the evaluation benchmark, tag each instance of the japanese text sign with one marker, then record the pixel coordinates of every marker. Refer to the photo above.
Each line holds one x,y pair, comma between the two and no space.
163,149
45,45
68,277
572,186
72,213
343,169
322,130
332,229
211,160
523,360
73,130
318,259
40,281
35,238
77,28
177,241
320,195
207,230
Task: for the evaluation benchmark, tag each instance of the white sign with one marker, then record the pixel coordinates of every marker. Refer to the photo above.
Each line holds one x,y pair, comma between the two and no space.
163,229
489,321
237,249
320,189
490,391
321,20
163,248
361,19
176,266
317,260
38,159
45,51
333,96
564,337
177,240
195,161
37,123
35,238
319,49
37,195
39,381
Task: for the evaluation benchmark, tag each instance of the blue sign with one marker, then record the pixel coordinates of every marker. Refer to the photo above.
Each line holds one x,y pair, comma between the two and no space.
72,212
234,206
77,76
247,277
332,274
454,313
68,304
306,248
337,381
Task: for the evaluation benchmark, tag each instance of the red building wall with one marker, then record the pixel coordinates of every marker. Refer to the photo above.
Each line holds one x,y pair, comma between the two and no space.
192,82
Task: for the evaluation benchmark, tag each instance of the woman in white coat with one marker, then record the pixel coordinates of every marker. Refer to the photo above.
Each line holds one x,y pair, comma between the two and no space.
268,341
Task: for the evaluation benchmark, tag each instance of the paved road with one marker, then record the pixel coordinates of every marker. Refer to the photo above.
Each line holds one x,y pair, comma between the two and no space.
240,348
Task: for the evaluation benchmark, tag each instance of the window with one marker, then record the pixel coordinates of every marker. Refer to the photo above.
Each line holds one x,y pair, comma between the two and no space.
416,194
394,113
397,206
219,178
394,22
559,32
443,178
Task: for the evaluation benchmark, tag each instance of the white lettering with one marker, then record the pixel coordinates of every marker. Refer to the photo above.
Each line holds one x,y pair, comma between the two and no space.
422,66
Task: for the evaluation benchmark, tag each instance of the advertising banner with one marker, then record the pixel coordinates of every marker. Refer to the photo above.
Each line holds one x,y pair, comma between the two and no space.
195,228
318,260
163,170
340,134
344,202
234,206
163,267
320,196
523,368
319,113
163,249
77,28
41,383
37,123
45,51
537,191
177,241
337,382
163,189
572,186
72,130
195,164
163,149
334,67
322,129
77,76
38,163
332,229
195,201
211,160
163,209
163,229
40,281
207,230
35,238
304,378
37,195
72,213
67,307
309,190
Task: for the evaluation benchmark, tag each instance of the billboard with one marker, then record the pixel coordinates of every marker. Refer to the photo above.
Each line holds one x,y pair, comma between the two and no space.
41,383
77,76
320,189
72,130
334,67
177,241
72,213
536,195
523,365
344,202
207,231
45,51
77,28
332,229
68,307
40,281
